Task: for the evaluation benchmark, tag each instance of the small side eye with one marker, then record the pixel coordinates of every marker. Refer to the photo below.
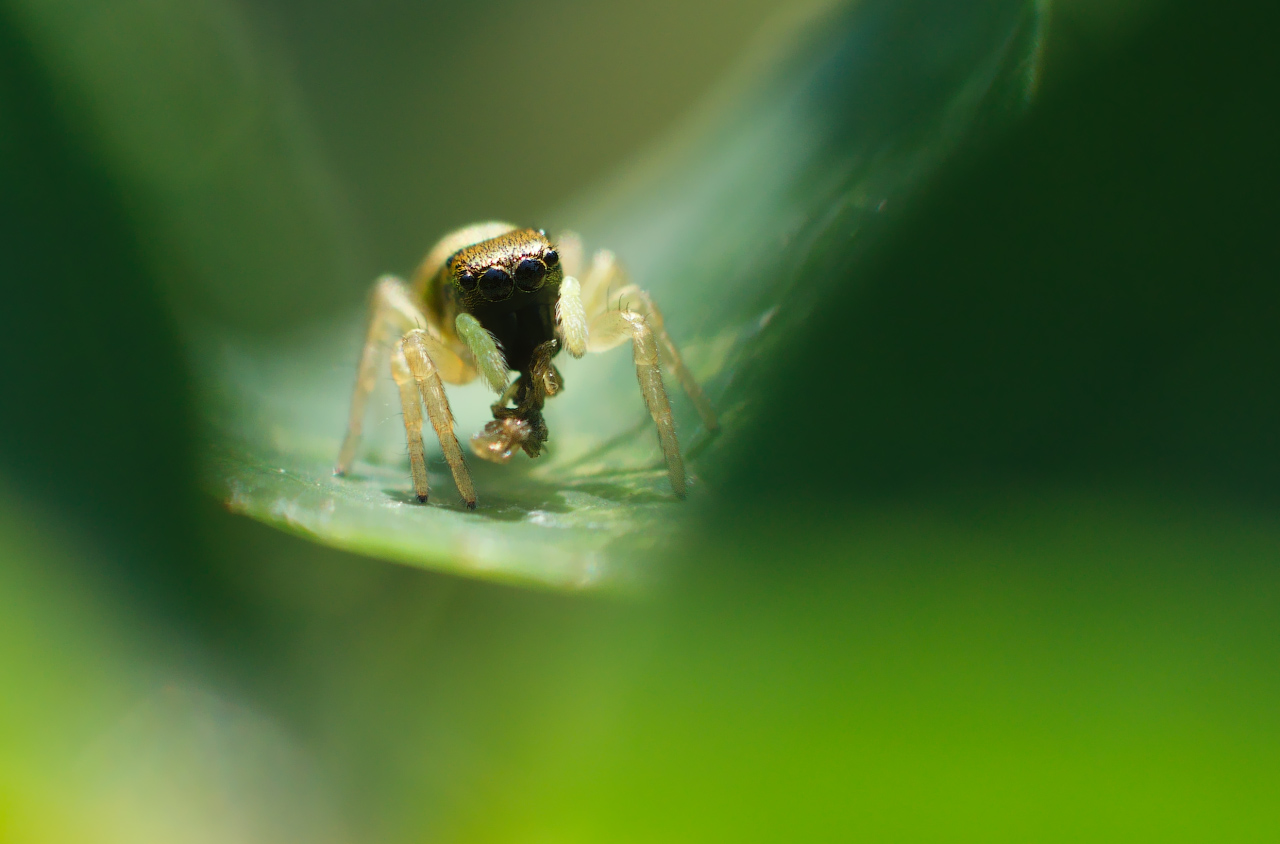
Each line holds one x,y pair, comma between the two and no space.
467,281
551,258
529,274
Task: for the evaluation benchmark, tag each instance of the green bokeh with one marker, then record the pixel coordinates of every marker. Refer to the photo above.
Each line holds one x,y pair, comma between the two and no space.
992,557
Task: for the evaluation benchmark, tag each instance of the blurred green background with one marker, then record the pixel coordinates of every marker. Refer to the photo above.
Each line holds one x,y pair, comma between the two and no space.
990,554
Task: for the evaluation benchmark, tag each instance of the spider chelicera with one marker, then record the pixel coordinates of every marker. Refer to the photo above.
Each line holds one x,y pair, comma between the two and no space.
492,298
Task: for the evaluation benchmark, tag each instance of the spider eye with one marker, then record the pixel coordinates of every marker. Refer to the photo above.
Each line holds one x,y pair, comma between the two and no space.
467,281
495,283
551,258
529,274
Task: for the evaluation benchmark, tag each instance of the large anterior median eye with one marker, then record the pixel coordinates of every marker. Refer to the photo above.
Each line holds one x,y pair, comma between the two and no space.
529,274
495,283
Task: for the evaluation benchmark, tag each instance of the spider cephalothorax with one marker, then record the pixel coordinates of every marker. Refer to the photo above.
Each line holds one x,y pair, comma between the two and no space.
521,261
491,299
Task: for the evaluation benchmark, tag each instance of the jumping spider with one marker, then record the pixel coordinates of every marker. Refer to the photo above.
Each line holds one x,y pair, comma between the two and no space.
491,298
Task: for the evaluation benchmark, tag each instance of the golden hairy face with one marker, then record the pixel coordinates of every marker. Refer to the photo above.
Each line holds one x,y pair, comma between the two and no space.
493,270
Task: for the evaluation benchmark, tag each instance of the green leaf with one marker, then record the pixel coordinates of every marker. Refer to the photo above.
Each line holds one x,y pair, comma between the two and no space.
738,227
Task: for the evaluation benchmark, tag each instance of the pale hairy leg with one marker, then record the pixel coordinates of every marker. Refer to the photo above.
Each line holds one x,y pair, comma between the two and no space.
569,245
605,284
631,293
413,355
392,312
572,317
411,405
612,328
600,278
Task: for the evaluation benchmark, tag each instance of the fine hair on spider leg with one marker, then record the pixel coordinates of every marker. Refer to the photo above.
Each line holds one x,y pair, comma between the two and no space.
613,327
414,348
673,357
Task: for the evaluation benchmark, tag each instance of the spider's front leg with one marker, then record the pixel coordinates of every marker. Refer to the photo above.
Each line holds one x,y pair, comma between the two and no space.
420,360
392,312
418,379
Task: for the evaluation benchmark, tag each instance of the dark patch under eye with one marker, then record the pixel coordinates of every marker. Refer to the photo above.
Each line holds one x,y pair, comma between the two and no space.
529,274
467,281
551,257
495,283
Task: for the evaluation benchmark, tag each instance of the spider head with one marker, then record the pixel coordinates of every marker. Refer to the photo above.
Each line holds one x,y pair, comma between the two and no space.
523,261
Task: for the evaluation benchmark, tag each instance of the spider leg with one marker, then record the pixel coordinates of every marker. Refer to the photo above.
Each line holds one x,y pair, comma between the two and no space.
588,297
672,354
411,402
419,381
569,245
392,312
599,289
572,317
612,328
605,273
